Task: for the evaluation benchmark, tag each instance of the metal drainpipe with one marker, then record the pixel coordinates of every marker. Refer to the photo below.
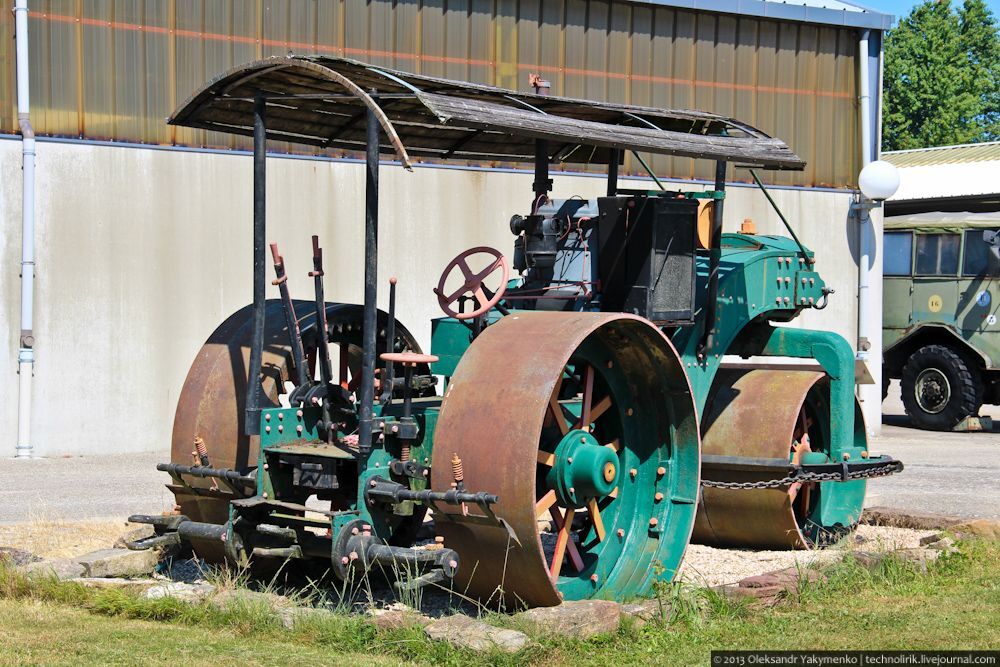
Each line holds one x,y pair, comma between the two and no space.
26,353
870,395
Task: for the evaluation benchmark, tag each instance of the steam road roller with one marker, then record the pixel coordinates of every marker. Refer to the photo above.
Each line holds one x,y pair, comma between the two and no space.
586,409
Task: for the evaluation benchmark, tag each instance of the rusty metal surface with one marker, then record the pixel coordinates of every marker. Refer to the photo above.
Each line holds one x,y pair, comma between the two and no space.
791,79
752,413
211,403
492,416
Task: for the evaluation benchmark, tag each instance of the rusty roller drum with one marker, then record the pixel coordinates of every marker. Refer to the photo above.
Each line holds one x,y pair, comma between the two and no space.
759,414
585,427
211,403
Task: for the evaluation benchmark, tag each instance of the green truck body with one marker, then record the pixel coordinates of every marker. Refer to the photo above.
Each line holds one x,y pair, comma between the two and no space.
940,333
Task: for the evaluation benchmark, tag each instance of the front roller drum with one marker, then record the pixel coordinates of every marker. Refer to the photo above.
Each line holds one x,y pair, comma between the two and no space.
783,417
585,426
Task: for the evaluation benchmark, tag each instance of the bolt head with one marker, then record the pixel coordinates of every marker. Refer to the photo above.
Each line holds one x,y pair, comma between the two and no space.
658,497
345,560
267,417
267,466
593,578
298,414
281,429
267,429
621,533
372,484
661,471
354,555
653,522
633,472
569,459
264,495
281,416
453,564
846,456
354,531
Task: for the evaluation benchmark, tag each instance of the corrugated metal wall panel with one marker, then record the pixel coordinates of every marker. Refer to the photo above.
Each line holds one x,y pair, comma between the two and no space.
114,69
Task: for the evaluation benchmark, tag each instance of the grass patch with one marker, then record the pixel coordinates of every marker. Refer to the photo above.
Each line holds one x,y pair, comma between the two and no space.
891,606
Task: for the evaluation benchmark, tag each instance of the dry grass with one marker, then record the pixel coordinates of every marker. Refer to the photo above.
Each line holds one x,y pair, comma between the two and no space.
50,538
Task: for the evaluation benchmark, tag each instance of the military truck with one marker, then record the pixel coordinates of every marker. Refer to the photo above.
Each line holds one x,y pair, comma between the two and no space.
940,299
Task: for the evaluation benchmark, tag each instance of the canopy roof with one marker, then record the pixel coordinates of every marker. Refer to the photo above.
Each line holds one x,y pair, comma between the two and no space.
322,101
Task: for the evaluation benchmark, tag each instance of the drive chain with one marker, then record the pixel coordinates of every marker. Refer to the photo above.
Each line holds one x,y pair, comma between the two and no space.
798,476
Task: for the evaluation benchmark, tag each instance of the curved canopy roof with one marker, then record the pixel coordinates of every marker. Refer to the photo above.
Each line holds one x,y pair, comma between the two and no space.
322,101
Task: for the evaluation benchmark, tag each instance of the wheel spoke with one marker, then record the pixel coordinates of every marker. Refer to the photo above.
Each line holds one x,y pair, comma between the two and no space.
595,518
615,444
588,395
544,503
556,409
600,408
485,273
564,545
463,264
546,458
453,297
481,297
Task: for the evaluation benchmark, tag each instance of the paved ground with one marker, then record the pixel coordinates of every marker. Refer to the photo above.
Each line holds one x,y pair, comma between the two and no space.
83,487
955,473
951,473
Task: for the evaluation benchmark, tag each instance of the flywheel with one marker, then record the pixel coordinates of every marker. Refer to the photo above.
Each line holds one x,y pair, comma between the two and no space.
760,415
585,426
212,401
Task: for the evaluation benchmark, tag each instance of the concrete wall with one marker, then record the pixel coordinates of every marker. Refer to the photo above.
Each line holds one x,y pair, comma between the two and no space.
142,252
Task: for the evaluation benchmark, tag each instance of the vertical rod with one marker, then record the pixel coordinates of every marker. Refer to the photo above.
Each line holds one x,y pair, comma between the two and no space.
543,184
714,257
251,424
388,376
26,351
616,157
371,288
325,369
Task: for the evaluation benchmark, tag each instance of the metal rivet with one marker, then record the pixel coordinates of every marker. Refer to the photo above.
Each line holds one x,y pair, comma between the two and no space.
658,497
633,472
621,533
395,429
593,578
653,522
281,428
299,414
267,417
864,454
345,560
266,466
583,439
661,471
267,429
777,300
376,465
572,490
569,459
611,364
846,456
298,429
281,416
264,495
629,412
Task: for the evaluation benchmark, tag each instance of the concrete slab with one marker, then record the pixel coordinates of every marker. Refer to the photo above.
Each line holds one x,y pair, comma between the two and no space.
948,473
83,487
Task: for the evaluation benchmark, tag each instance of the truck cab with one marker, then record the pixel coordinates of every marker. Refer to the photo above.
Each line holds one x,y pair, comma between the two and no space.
940,333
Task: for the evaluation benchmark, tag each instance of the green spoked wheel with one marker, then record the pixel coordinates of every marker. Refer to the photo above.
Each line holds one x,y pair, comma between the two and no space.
585,427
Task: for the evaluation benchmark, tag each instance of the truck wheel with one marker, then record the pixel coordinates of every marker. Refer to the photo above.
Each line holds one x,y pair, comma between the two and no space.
940,388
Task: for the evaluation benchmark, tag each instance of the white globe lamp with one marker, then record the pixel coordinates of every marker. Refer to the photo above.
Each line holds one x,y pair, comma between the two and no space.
879,180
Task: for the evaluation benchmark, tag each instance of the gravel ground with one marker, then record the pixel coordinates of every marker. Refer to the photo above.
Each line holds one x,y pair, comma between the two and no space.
708,566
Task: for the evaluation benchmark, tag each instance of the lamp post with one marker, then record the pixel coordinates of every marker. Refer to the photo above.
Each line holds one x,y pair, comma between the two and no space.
878,181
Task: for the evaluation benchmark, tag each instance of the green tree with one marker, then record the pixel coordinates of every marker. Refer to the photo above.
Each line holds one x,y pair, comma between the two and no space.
942,77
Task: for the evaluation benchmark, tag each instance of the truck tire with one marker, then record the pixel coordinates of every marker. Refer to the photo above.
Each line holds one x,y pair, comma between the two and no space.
940,388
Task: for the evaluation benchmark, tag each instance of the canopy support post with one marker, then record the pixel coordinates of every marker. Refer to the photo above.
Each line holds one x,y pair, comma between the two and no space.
613,160
543,184
365,425
251,424
714,257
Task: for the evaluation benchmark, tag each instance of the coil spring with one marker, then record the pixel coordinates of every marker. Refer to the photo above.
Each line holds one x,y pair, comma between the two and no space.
404,454
457,469
200,452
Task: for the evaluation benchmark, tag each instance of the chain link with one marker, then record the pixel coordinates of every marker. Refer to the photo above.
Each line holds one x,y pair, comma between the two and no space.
799,476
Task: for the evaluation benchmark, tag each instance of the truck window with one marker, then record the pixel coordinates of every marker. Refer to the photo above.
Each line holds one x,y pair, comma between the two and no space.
977,255
898,254
937,254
